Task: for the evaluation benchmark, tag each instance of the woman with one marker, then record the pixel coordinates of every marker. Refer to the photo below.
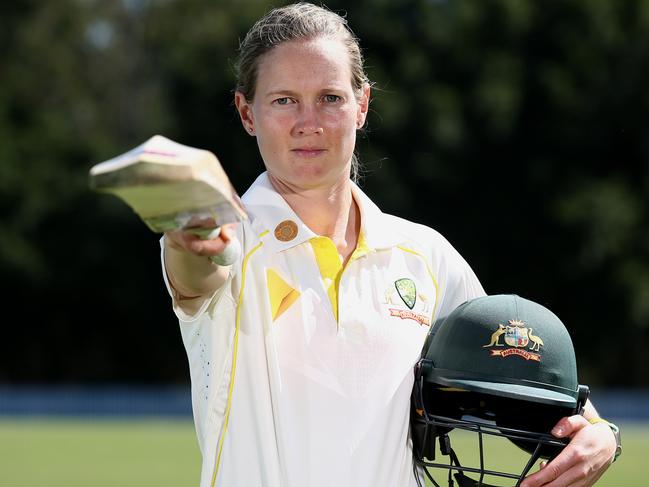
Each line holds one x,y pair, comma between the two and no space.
301,353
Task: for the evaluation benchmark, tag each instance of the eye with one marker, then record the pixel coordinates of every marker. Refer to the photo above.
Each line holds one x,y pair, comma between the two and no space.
282,101
331,98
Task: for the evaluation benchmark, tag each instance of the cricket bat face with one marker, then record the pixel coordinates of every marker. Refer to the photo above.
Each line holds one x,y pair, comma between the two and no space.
170,186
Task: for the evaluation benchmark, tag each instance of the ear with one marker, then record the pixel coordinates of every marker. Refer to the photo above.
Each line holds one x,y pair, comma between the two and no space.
363,106
245,112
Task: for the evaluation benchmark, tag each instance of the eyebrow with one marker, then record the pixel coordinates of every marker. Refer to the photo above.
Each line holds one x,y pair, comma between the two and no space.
281,92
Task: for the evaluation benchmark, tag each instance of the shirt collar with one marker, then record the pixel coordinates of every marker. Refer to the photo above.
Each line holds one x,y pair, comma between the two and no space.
268,210
378,229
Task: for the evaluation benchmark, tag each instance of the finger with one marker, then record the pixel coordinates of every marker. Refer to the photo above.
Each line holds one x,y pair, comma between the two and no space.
577,476
206,233
228,232
569,426
194,241
207,247
229,256
196,245
582,462
225,232
201,221
553,470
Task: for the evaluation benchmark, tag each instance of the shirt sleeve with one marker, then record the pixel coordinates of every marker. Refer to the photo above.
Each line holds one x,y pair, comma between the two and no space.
191,311
458,283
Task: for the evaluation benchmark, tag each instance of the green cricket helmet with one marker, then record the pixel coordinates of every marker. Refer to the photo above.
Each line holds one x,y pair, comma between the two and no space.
497,365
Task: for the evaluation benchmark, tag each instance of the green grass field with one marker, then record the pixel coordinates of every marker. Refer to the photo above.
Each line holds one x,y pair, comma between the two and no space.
157,453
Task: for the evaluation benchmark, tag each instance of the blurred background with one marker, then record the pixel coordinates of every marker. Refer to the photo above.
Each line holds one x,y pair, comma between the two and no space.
518,129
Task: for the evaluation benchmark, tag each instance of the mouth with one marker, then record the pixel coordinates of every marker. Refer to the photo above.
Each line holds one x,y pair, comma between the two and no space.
308,152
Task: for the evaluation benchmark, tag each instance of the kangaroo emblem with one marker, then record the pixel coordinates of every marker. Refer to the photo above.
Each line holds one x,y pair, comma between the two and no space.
424,299
495,337
538,343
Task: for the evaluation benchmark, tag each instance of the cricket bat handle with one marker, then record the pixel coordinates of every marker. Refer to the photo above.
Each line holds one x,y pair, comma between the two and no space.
231,252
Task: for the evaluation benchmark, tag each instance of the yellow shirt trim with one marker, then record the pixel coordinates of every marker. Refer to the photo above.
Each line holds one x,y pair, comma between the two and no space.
235,349
361,247
330,264
430,273
281,295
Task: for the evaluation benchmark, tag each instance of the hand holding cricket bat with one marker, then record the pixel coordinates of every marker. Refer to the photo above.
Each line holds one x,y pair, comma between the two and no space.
177,190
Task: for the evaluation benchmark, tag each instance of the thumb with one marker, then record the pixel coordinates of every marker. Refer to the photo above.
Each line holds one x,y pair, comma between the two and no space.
228,232
567,427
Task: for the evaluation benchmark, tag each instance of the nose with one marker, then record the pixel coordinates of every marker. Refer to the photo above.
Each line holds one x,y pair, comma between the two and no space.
308,121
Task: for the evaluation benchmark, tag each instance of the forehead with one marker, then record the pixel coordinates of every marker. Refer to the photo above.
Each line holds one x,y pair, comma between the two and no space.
319,60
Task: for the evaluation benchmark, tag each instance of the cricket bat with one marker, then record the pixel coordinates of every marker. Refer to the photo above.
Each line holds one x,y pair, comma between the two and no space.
174,187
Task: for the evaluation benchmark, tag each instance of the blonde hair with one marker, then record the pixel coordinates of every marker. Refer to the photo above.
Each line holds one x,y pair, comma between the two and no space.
293,22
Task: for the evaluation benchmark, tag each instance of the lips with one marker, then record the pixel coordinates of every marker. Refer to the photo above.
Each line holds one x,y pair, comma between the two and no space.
308,151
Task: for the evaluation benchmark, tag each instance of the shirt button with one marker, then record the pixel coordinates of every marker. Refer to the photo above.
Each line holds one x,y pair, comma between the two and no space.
286,231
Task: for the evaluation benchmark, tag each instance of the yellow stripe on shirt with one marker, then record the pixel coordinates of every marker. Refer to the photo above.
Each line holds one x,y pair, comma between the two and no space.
281,295
235,349
330,264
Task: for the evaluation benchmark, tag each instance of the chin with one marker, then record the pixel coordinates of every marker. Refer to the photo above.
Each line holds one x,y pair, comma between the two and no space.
309,174
323,178
308,180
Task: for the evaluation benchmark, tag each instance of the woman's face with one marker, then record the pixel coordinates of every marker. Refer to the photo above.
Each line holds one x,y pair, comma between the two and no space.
305,112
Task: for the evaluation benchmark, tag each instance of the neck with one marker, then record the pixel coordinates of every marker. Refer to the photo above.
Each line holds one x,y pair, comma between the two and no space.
330,212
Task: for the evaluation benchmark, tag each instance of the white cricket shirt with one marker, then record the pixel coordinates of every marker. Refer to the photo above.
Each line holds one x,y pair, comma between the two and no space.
301,370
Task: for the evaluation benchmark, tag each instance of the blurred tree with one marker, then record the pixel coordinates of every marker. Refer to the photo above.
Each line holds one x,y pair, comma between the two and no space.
514,127
525,146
